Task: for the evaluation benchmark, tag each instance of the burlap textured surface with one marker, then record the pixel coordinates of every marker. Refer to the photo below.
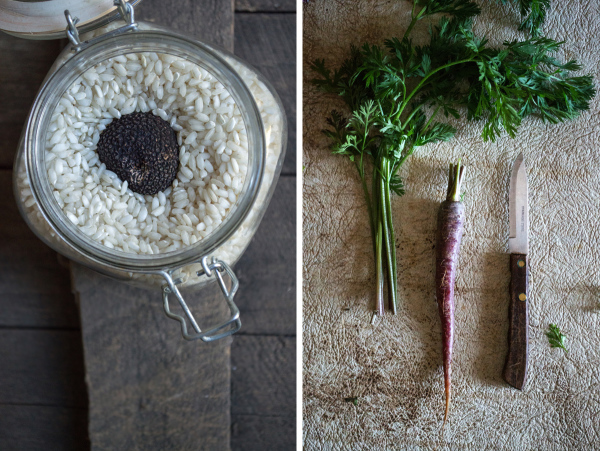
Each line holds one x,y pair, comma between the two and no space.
394,366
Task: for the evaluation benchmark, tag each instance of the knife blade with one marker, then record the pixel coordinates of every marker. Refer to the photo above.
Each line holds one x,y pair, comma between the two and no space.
515,369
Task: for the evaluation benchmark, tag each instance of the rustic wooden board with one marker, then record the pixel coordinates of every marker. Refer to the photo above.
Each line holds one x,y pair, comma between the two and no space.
43,367
55,428
24,64
35,288
267,270
268,42
263,417
263,353
38,295
43,400
148,388
209,20
259,432
272,365
265,5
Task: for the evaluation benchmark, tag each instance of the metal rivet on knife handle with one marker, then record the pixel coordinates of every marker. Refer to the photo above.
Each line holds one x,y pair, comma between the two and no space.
522,297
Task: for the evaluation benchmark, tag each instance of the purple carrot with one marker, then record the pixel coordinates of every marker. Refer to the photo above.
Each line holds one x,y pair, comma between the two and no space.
451,218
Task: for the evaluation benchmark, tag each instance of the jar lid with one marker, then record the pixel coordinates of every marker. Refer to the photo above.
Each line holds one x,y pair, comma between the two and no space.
42,19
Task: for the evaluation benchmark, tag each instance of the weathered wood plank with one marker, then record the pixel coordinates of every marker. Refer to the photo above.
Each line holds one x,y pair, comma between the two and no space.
267,270
10,133
265,363
149,388
259,433
265,5
35,288
24,60
263,376
24,64
269,43
43,367
42,428
209,20
263,393
42,370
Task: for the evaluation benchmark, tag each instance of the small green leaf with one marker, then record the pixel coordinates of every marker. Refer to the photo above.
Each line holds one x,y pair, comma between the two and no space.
353,400
396,185
555,337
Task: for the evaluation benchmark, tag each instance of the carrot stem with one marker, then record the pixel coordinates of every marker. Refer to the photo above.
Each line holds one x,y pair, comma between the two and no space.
392,248
379,263
361,171
455,180
379,205
385,221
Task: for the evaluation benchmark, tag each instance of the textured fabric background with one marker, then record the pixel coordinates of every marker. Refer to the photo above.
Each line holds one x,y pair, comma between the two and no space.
394,366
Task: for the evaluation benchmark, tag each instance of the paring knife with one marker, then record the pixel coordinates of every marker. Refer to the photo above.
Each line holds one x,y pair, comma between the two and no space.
515,369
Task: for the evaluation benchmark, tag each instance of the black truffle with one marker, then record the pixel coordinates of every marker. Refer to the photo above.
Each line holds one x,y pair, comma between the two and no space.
142,150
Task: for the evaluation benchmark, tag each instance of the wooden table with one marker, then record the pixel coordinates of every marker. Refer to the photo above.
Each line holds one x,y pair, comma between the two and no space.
43,397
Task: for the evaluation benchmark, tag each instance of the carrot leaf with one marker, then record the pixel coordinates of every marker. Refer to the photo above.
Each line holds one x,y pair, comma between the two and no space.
352,400
533,13
555,337
398,97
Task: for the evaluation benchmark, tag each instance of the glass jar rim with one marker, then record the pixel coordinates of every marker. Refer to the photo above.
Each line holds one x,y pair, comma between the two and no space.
157,41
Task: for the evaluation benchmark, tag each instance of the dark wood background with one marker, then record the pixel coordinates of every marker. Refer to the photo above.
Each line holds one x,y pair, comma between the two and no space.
43,395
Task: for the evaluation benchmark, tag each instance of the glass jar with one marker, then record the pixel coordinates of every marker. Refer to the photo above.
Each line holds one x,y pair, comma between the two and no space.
195,262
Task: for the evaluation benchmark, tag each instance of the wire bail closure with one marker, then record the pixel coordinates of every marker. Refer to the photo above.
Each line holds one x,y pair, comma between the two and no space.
126,13
213,269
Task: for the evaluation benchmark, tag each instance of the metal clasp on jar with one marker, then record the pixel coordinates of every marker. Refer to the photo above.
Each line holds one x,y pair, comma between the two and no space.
126,12
214,268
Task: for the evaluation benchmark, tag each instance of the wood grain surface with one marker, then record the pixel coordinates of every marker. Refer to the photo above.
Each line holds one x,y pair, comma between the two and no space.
263,353
263,393
268,42
23,66
59,380
43,398
515,368
208,20
267,269
35,288
148,388
269,6
41,427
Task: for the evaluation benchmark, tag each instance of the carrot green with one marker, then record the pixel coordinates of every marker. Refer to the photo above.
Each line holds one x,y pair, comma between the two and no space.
396,97
555,337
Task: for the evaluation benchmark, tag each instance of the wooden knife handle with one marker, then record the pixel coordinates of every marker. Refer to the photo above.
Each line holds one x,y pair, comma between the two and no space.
515,369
